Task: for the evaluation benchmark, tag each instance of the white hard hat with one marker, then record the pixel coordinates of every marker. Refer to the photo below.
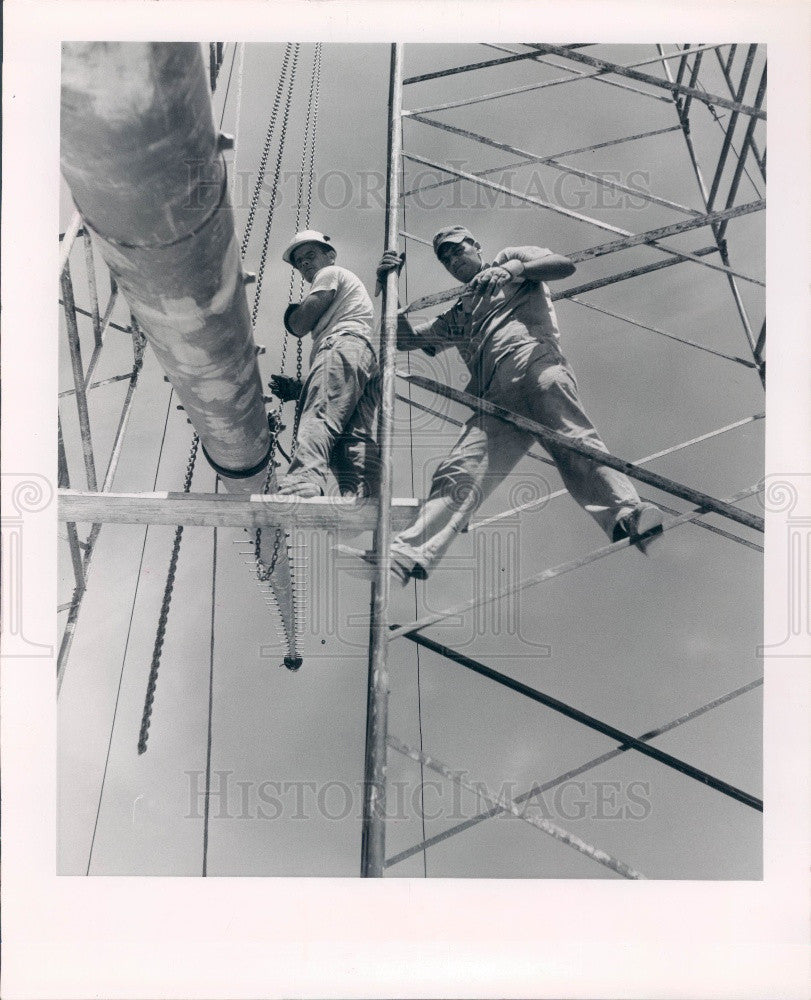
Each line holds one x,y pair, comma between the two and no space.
307,236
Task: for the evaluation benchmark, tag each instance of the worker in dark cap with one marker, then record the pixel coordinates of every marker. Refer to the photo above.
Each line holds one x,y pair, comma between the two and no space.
505,329
339,399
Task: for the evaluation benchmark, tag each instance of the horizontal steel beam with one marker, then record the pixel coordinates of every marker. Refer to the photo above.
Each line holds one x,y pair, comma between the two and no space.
569,152
224,510
649,237
572,773
556,163
591,722
654,81
562,569
573,77
549,437
628,239
469,67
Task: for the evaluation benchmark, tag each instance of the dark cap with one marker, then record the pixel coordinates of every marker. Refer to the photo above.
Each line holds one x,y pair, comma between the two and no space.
452,234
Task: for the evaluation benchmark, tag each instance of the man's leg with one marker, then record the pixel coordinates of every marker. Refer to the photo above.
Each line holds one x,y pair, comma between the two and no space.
355,458
549,396
329,398
485,452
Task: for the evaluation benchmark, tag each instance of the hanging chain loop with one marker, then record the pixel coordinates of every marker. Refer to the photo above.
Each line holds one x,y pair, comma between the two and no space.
264,572
166,603
265,153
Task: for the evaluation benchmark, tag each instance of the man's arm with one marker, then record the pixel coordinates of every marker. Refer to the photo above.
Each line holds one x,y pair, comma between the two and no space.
301,319
527,263
427,335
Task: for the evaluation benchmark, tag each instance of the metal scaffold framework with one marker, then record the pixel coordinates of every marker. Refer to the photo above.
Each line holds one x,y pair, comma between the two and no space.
668,77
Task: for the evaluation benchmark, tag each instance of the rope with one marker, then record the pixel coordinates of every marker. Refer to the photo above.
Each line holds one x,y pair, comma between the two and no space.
571,774
227,87
720,125
506,805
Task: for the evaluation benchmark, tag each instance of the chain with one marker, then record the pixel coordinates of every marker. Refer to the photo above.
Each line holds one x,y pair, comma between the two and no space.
164,612
264,572
170,578
314,103
277,170
311,119
310,129
265,153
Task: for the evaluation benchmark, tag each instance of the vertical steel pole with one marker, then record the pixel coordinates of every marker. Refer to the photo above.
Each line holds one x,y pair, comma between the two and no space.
373,846
109,477
719,241
745,147
91,284
725,70
73,536
78,377
733,121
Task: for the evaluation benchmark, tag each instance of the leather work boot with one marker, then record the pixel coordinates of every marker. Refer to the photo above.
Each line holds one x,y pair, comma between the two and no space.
643,525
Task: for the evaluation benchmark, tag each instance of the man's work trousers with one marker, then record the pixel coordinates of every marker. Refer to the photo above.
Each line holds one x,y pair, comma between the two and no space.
338,406
541,388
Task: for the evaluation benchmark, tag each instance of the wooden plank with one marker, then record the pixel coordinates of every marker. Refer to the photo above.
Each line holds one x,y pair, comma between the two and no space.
226,511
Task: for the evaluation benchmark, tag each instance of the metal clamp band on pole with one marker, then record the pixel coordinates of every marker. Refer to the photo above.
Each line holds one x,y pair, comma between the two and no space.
373,846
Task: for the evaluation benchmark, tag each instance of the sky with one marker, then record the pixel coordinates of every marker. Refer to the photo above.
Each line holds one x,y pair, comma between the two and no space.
634,641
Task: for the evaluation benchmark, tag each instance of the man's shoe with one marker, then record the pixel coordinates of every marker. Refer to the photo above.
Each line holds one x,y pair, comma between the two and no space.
642,525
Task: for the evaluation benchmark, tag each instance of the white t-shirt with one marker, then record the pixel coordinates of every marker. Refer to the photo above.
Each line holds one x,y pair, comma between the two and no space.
350,309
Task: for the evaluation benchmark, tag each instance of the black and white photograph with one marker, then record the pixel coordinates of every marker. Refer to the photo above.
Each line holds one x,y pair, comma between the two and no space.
413,510
574,264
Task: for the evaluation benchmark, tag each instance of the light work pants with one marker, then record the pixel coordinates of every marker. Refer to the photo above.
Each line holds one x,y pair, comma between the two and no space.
338,406
541,387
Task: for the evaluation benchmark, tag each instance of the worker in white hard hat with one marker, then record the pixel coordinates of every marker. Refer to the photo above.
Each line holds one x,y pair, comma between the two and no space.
339,399
505,329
